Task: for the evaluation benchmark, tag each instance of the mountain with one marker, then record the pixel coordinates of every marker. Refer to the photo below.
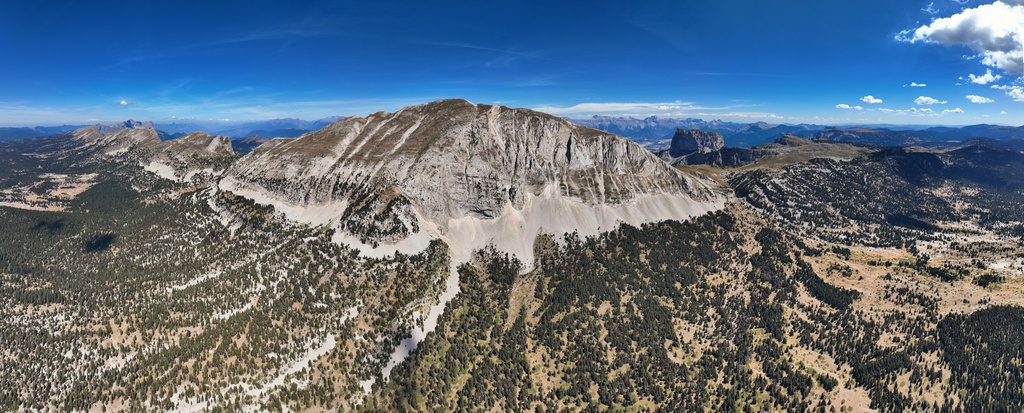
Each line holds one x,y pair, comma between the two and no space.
248,143
190,156
182,128
470,174
653,132
26,132
1006,145
687,141
983,130
452,256
181,159
39,131
274,128
656,133
761,133
128,124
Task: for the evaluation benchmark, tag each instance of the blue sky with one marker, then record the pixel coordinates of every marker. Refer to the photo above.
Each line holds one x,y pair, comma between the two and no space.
780,61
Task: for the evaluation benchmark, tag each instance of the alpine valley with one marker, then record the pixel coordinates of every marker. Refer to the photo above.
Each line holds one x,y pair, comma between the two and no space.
454,256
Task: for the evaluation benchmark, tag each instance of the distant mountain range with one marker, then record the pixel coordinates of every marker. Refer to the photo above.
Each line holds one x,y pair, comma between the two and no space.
653,132
274,128
456,256
656,133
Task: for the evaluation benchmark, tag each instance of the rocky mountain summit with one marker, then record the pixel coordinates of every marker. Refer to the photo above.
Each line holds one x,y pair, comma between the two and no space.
103,140
488,174
687,141
128,124
194,154
178,159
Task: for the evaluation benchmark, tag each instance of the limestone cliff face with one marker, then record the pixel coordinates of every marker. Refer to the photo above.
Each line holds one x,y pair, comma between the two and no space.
687,141
190,156
447,160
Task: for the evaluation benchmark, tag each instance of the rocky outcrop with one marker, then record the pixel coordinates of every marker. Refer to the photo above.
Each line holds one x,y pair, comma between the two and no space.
128,124
687,141
485,172
93,139
179,159
248,143
197,155
725,157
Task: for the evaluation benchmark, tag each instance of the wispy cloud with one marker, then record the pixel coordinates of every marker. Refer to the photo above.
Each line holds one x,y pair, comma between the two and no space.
743,115
921,112
1014,92
27,114
670,109
617,107
978,99
925,100
284,33
499,57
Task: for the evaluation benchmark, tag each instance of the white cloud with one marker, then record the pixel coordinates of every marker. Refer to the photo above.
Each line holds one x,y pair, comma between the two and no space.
925,100
871,100
1015,92
930,9
594,108
845,106
948,111
978,99
985,78
1002,113
124,103
914,84
993,31
885,110
743,115
911,112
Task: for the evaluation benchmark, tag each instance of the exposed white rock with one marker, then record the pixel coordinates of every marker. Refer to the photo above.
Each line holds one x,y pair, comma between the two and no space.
184,158
471,175
180,159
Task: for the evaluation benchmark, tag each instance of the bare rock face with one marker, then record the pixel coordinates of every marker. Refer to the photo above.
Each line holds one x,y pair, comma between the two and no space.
179,159
188,157
455,166
128,124
687,141
114,142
